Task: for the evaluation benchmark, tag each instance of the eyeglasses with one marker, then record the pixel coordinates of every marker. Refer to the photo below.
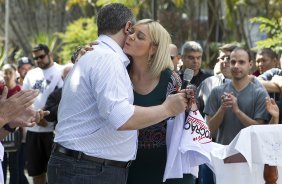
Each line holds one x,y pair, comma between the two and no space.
39,57
172,57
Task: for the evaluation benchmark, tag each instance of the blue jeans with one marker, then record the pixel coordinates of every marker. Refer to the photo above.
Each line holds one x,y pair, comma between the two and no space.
67,170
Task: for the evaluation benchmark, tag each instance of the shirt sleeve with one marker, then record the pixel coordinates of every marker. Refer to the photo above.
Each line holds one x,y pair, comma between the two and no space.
260,109
112,87
270,73
26,82
174,83
213,103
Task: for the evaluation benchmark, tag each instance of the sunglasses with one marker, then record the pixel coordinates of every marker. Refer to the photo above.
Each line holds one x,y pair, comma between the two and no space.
40,57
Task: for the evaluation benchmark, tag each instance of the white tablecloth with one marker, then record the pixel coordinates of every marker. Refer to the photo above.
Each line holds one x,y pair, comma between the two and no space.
259,144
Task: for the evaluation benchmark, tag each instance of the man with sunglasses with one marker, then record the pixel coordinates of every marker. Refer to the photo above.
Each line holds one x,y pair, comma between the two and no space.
46,77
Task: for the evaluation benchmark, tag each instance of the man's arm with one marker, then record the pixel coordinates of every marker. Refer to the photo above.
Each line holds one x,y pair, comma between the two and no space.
215,121
246,120
267,77
270,86
147,116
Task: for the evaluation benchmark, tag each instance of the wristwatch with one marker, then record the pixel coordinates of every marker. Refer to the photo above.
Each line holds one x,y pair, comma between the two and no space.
8,128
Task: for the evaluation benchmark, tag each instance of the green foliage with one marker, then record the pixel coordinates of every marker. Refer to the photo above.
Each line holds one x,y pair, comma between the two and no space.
71,3
52,41
273,27
178,3
78,33
11,52
129,3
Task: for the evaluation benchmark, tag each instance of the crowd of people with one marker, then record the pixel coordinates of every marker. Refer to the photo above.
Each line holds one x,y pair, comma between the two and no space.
103,118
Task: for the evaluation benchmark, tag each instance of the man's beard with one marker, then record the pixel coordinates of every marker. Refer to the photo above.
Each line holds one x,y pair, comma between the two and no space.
44,65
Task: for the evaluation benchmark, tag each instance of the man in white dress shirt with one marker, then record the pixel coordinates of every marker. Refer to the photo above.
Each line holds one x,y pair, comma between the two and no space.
96,134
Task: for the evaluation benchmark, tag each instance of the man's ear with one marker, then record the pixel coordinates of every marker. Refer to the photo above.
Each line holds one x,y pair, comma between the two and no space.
50,55
128,25
251,63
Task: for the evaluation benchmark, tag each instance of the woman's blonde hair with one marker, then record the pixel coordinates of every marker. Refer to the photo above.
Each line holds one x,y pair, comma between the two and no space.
160,40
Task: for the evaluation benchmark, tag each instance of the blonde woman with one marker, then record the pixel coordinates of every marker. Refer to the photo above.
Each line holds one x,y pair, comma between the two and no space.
152,76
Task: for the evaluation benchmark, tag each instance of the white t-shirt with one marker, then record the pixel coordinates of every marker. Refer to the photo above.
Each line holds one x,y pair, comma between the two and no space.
45,81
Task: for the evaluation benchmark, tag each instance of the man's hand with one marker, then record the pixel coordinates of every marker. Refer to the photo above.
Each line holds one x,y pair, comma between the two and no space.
28,118
14,106
226,101
272,109
42,123
177,103
82,50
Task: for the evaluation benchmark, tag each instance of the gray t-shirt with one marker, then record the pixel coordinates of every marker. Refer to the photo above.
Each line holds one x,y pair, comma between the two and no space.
251,101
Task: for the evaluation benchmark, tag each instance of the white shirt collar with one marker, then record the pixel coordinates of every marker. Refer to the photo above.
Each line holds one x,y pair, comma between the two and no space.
109,42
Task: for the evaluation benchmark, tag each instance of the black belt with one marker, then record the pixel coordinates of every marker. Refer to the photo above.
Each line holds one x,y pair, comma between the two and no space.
79,155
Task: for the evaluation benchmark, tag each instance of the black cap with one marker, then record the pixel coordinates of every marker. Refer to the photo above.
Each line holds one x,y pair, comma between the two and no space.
24,60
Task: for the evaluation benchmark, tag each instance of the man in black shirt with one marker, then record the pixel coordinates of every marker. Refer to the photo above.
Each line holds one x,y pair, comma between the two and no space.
191,55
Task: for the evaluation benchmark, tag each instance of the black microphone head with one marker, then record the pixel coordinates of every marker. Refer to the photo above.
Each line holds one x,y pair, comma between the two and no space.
188,74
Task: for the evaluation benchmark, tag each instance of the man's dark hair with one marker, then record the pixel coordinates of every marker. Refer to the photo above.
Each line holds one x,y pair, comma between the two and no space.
269,52
113,17
243,49
41,47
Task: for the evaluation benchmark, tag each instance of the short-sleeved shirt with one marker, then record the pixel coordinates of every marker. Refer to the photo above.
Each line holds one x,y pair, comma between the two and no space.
251,101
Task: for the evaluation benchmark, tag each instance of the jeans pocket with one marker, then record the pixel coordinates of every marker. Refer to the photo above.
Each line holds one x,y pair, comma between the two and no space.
87,168
60,169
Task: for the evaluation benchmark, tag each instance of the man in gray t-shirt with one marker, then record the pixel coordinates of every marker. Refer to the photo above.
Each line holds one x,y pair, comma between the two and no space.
236,105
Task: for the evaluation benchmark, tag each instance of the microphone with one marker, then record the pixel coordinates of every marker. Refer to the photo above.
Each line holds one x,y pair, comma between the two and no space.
187,77
191,88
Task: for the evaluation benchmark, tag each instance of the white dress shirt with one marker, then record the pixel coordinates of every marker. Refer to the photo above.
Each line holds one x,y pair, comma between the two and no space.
97,99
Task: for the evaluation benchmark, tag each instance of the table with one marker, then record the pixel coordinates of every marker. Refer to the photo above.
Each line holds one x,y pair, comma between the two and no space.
254,156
